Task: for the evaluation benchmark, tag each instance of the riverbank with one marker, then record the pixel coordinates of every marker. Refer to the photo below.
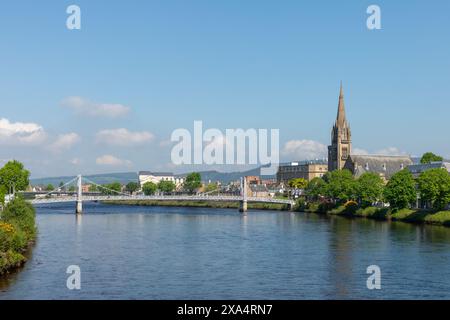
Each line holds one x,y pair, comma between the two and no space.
17,234
441,218
201,204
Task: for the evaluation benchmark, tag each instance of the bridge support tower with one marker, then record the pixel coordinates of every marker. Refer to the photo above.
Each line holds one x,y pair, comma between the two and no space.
79,206
243,202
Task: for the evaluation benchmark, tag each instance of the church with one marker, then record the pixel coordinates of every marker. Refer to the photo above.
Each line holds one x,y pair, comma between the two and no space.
340,154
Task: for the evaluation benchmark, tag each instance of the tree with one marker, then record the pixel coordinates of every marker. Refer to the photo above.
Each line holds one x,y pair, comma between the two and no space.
149,188
132,187
14,176
49,187
429,157
400,191
93,188
72,189
434,186
166,186
340,185
315,188
111,188
192,182
61,184
298,183
369,188
210,187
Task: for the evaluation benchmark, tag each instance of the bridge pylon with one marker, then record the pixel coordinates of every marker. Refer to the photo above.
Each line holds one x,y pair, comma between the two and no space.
243,203
79,205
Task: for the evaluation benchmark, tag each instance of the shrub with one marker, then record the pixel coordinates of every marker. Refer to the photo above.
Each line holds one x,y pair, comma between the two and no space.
21,214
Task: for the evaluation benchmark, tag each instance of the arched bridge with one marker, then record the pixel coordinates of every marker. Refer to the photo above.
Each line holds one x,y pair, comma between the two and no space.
78,197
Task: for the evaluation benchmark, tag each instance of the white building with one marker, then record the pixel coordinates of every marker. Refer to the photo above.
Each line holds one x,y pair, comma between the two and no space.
156,177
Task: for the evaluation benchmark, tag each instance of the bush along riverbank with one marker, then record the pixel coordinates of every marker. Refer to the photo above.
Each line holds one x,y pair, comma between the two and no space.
351,209
17,234
201,204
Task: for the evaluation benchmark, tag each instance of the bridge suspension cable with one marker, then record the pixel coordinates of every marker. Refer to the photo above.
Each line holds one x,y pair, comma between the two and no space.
61,187
105,188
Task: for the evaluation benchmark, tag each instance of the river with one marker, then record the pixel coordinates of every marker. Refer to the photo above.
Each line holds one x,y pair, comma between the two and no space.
132,252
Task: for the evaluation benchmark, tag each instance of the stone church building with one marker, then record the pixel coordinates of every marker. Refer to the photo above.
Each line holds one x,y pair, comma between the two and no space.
340,151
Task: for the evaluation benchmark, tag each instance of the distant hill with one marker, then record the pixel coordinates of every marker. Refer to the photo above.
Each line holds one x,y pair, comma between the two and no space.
125,177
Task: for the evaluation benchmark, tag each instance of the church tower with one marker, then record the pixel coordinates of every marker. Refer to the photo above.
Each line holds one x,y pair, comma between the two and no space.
341,138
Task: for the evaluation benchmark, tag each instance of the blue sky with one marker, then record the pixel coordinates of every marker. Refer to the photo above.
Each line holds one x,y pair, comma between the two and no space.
231,64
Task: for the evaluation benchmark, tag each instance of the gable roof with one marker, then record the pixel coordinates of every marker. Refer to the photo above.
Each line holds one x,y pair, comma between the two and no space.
381,164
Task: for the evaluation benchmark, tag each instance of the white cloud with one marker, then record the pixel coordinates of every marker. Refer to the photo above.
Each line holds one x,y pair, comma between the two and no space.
391,151
75,161
110,160
85,107
21,133
64,142
304,150
123,137
359,151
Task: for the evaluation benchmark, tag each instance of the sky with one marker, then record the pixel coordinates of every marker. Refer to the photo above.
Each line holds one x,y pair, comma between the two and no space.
107,97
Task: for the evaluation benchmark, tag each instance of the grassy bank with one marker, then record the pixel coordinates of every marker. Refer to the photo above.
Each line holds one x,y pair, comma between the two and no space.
202,204
405,215
17,233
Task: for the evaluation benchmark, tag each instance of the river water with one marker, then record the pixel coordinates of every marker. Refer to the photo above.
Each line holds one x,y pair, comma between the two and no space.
131,252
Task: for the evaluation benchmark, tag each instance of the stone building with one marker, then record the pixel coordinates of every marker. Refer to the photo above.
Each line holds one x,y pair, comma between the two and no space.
385,166
341,138
302,169
417,169
156,177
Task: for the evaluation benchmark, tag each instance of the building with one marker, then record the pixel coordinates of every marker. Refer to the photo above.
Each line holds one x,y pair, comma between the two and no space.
156,177
307,170
417,169
385,166
341,138
258,190
253,180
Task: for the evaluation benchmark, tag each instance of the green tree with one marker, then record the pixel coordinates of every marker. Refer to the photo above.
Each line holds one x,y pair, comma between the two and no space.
429,157
149,188
434,186
49,187
111,188
72,189
61,184
298,183
340,185
93,188
166,186
14,176
400,191
315,188
132,187
22,214
210,187
369,188
192,182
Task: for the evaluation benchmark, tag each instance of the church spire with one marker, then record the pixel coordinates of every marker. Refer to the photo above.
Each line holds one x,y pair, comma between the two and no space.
340,119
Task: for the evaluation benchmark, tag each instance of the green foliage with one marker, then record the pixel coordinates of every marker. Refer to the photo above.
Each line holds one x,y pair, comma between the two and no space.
21,214
72,189
369,188
340,185
149,188
315,188
210,187
298,183
166,186
434,186
429,157
93,188
14,175
132,187
111,188
49,187
400,191
192,182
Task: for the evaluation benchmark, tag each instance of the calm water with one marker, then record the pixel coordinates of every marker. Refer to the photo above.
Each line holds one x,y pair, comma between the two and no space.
127,252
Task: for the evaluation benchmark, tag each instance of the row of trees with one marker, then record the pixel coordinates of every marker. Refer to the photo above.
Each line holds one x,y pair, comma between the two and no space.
191,184
402,189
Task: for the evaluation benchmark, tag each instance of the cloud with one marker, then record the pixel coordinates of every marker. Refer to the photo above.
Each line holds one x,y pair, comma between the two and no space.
123,137
64,142
304,150
389,151
109,160
85,107
12,133
75,161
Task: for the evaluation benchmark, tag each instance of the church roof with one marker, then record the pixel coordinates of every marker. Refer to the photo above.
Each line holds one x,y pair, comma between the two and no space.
381,164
